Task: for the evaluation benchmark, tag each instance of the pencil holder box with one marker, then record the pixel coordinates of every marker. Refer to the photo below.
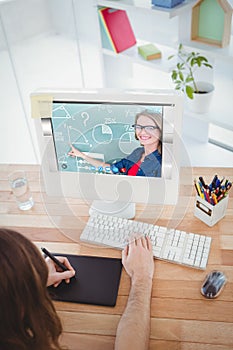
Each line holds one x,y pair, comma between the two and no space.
208,213
167,3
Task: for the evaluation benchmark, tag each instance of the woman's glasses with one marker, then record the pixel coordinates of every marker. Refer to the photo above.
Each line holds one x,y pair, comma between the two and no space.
147,128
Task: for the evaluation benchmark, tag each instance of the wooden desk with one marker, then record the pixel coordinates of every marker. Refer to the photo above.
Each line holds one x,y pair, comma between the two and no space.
181,318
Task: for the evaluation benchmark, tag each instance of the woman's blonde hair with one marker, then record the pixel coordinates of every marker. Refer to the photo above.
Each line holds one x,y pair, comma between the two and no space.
28,317
157,120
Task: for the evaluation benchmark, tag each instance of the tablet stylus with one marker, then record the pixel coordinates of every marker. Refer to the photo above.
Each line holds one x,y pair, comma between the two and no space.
52,257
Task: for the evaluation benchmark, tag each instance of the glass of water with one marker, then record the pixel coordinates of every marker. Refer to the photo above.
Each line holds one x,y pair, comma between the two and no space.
20,188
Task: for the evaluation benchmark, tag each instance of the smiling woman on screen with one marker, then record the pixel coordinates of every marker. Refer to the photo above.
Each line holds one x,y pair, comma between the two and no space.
143,161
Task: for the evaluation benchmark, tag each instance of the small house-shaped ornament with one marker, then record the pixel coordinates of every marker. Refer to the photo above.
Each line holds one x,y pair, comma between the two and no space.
211,22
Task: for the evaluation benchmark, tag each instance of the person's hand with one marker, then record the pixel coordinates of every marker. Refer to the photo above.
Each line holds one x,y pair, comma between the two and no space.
74,152
137,259
56,275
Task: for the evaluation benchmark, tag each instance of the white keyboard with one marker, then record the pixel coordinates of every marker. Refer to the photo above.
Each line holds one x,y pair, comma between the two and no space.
172,245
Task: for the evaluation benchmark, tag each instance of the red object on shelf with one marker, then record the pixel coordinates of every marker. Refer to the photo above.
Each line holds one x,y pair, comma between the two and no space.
118,28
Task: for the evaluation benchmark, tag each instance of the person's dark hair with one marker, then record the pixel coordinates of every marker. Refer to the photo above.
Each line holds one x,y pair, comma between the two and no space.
28,317
157,120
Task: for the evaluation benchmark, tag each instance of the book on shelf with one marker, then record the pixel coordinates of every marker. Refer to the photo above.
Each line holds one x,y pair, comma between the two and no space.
115,28
149,52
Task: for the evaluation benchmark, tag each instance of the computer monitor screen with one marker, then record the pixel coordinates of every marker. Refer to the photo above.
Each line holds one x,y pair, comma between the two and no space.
108,138
110,146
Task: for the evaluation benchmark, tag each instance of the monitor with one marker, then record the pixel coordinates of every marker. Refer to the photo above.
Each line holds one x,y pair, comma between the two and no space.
115,147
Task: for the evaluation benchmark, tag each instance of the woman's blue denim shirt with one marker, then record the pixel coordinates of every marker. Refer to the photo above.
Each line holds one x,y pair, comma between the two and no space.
151,166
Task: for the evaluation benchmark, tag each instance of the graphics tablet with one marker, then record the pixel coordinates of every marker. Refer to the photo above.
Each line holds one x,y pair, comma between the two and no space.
96,281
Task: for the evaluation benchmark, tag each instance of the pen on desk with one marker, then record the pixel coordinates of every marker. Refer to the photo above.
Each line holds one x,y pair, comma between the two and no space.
55,260
197,187
206,194
213,183
222,180
203,182
201,189
213,195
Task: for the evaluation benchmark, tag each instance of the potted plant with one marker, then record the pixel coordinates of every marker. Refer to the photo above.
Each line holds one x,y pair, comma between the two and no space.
183,76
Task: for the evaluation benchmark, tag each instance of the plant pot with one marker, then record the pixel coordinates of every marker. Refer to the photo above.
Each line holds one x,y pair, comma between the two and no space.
201,101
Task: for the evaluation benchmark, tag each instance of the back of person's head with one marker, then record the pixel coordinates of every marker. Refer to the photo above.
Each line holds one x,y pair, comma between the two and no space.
28,319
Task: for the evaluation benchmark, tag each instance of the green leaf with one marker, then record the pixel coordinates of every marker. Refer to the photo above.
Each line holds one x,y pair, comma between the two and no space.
181,76
199,62
170,57
189,91
174,75
202,58
193,62
189,79
180,66
208,65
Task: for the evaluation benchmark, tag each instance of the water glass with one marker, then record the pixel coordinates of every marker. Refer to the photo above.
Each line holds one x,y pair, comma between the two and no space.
20,188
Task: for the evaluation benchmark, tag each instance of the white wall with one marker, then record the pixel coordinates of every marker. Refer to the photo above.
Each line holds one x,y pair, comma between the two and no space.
38,49
15,140
20,20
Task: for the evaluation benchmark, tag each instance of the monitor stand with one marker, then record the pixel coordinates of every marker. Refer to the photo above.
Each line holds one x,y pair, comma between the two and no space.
120,209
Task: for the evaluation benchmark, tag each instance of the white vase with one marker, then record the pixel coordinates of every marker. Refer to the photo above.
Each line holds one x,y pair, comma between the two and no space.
201,102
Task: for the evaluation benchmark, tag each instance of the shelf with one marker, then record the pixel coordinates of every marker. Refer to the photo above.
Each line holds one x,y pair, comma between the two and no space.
139,5
225,54
147,5
132,53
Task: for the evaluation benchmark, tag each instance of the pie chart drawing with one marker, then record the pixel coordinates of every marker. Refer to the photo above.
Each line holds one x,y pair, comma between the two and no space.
127,142
102,133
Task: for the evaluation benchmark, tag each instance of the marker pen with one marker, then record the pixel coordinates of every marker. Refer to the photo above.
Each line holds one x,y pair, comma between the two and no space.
213,195
203,182
196,184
